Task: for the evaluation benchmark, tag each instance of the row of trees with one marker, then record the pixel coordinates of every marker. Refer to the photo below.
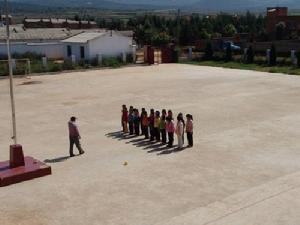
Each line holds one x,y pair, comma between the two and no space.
185,30
249,55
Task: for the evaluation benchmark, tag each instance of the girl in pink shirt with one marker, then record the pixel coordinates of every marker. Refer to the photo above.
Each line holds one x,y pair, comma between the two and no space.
170,128
189,129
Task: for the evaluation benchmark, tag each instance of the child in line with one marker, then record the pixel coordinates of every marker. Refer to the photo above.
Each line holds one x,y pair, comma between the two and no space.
124,119
182,120
162,127
131,120
189,129
164,113
136,122
151,125
170,114
142,117
170,128
180,131
157,125
145,122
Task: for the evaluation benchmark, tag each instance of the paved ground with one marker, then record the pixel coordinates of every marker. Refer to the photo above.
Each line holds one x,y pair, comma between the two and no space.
243,170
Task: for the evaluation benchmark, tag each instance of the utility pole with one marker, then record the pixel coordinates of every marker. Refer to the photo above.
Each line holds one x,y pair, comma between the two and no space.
10,68
178,27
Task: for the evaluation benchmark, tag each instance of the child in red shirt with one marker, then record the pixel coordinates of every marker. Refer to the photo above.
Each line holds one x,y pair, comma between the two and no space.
124,119
189,129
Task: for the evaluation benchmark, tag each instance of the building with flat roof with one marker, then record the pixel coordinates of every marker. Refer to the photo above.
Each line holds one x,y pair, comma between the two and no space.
90,45
58,23
52,42
276,15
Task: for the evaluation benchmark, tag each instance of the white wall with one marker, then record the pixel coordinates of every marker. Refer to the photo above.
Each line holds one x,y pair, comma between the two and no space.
110,45
52,50
76,50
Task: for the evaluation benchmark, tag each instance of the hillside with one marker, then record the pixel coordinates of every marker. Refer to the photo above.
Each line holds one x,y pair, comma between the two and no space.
201,5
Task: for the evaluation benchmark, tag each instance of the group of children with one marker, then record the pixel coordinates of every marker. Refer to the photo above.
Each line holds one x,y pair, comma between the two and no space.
157,125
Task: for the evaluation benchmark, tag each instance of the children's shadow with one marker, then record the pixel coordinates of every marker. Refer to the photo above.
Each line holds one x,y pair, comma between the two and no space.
173,150
57,160
138,140
119,135
153,146
160,149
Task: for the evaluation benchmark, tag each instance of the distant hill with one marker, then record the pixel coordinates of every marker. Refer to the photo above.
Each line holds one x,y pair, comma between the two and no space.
202,5
229,5
100,4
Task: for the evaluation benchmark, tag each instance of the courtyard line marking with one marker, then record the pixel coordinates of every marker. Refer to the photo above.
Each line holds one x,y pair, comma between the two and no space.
250,205
235,203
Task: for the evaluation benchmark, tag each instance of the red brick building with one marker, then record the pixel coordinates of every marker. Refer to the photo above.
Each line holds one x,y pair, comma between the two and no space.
276,15
59,23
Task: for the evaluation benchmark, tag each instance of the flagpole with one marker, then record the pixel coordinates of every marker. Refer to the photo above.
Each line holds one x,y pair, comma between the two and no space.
11,83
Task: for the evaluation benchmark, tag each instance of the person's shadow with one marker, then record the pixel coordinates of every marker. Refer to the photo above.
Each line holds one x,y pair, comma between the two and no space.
57,160
119,135
145,144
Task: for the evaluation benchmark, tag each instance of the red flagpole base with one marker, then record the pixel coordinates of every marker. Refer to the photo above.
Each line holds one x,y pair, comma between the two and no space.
20,168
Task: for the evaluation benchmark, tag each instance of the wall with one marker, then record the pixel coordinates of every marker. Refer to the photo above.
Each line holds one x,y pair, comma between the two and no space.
76,50
281,46
108,45
52,50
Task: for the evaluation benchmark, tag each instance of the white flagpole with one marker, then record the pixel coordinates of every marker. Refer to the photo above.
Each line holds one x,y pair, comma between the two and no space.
10,68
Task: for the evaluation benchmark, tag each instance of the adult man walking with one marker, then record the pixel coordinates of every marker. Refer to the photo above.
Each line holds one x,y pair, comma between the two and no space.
74,136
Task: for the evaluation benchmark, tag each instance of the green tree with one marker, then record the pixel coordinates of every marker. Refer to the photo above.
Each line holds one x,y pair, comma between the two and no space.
160,39
229,30
228,53
250,55
298,58
280,31
208,52
273,55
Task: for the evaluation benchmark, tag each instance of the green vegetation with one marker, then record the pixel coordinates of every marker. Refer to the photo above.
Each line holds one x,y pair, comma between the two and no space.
228,53
256,67
273,56
36,65
250,55
187,30
208,52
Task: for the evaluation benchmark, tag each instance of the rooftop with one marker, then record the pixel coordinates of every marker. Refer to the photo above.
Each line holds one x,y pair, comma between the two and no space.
84,37
19,33
57,21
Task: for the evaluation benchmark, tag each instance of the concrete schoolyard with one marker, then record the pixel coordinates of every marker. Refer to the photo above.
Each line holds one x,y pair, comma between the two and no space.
244,168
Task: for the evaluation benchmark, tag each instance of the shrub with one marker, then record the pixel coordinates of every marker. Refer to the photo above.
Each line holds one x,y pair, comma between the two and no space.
175,55
250,55
27,55
298,58
208,52
273,56
228,53
111,62
129,58
94,62
54,67
68,65
81,63
160,39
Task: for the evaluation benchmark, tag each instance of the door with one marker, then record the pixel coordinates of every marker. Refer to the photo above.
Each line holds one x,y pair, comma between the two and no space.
69,50
82,52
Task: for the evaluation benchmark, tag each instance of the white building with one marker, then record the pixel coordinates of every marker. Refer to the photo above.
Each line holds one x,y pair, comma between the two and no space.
61,43
88,46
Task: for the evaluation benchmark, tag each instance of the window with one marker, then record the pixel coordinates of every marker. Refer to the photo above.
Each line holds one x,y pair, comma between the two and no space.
82,53
69,50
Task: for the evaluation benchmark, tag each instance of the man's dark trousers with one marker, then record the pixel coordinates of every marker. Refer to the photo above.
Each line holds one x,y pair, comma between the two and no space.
75,140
